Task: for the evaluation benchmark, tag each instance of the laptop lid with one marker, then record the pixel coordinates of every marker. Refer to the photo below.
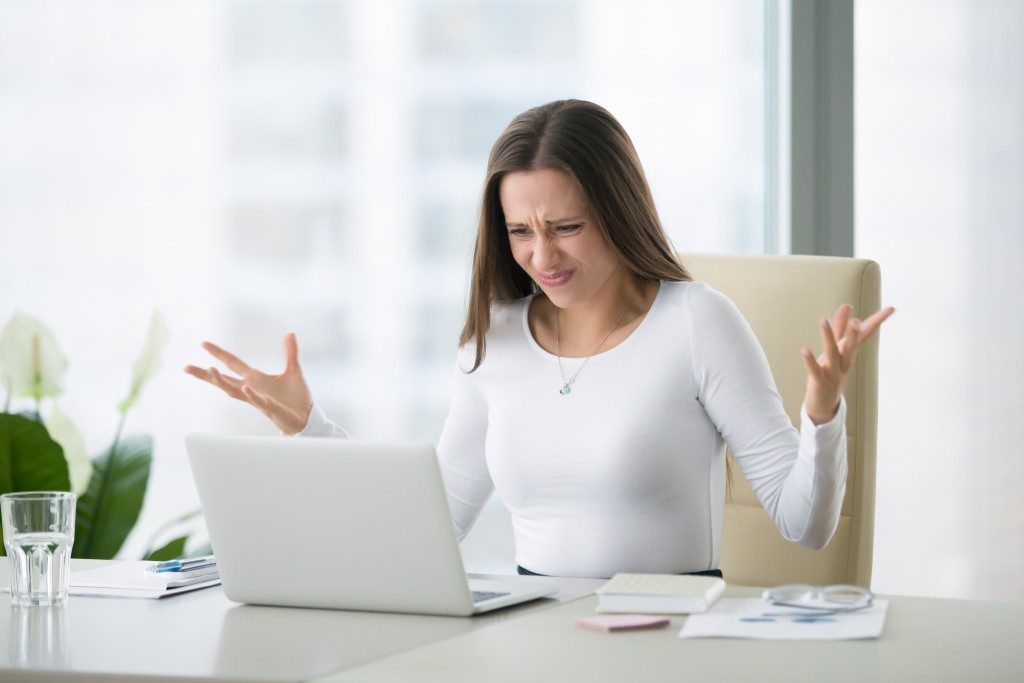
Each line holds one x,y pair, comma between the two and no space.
334,523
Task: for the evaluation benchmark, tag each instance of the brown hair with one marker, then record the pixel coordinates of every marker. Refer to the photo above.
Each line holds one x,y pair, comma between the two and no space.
584,141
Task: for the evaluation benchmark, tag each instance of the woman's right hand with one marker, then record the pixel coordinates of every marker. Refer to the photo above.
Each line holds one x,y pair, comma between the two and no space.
284,398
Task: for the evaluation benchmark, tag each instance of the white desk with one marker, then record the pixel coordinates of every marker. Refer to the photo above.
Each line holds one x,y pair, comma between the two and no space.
925,639
204,636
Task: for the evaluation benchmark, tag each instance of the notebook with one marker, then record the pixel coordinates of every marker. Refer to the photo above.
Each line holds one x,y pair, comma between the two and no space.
658,593
134,580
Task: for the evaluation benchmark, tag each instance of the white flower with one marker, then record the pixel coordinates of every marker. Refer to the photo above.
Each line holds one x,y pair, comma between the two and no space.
63,431
31,363
149,362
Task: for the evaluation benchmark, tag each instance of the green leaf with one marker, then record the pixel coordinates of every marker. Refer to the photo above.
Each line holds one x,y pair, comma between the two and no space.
171,551
29,459
110,506
164,528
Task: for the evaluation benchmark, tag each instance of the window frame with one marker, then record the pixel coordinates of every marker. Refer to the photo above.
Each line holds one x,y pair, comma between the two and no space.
809,173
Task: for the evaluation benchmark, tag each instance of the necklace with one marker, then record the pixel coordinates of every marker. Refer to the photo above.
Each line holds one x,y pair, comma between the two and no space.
567,384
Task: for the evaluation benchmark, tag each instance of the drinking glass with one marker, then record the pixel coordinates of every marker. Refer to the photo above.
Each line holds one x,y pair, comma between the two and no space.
39,529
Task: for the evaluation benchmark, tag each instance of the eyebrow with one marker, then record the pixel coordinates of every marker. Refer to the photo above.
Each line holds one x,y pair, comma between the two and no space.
578,219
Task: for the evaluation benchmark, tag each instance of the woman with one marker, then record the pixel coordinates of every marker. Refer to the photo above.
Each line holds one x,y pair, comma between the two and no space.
596,381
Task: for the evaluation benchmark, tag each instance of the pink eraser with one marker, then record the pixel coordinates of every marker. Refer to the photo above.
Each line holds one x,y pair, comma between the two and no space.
621,622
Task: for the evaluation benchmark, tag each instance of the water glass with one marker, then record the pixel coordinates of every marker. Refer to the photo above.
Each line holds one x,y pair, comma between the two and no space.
39,529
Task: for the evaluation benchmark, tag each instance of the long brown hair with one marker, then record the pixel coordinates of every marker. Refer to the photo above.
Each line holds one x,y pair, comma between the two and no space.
584,141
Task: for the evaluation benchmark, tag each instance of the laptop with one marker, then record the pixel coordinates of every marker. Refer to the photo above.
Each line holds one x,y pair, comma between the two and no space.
339,524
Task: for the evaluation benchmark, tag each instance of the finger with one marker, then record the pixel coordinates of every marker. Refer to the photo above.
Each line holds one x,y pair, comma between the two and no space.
230,385
291,352
214,378
208,376
234,363
276,411
871,324
831,349
232,382
197,372
840,319
850,343
852,336
813,369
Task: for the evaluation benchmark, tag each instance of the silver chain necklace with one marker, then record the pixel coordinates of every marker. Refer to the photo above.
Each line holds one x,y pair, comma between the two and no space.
567,384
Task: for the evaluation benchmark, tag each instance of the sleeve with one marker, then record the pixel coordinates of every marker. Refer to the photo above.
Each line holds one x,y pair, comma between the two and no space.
799,478
318,425
461,449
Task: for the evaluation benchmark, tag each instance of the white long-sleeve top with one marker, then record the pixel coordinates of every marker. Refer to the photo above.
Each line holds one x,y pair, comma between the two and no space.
627,472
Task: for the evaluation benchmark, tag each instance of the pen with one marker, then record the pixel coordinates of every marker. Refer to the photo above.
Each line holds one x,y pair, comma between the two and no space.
190,563
183,570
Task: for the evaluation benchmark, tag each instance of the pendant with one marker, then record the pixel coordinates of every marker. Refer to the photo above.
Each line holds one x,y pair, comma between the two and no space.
565,389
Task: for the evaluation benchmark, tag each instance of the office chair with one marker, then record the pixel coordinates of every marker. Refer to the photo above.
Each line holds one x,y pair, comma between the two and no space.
783,298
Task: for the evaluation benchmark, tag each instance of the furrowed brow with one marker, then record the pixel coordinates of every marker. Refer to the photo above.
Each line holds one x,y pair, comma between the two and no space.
554,222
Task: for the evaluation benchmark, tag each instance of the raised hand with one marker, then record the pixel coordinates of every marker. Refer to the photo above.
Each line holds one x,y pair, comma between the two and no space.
284,398
826,375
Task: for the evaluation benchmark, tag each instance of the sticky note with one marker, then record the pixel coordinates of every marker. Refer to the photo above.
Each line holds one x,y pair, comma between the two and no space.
622,622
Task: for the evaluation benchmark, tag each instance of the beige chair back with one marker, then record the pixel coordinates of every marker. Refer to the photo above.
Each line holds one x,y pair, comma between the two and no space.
783,298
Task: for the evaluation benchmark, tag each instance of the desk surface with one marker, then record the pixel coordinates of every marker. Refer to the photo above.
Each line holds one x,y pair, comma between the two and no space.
925,639
202,635
205,636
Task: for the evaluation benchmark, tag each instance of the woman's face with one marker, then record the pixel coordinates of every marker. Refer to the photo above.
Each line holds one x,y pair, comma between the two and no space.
554,239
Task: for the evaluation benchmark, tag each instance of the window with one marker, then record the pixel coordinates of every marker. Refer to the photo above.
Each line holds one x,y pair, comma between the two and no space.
940,164
255,167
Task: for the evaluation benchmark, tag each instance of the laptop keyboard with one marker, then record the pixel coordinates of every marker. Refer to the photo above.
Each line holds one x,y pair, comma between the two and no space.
480,596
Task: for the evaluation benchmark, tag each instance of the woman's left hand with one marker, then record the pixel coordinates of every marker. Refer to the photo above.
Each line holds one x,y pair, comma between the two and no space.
826,375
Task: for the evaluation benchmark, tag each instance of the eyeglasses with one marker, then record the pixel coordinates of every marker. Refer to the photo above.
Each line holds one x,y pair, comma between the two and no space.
821,600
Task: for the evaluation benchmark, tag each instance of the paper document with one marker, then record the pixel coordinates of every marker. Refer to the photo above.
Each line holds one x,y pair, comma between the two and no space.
744,618
150,593
133,580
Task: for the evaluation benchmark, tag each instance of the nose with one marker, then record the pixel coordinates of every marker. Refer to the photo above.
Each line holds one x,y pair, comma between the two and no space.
545,254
